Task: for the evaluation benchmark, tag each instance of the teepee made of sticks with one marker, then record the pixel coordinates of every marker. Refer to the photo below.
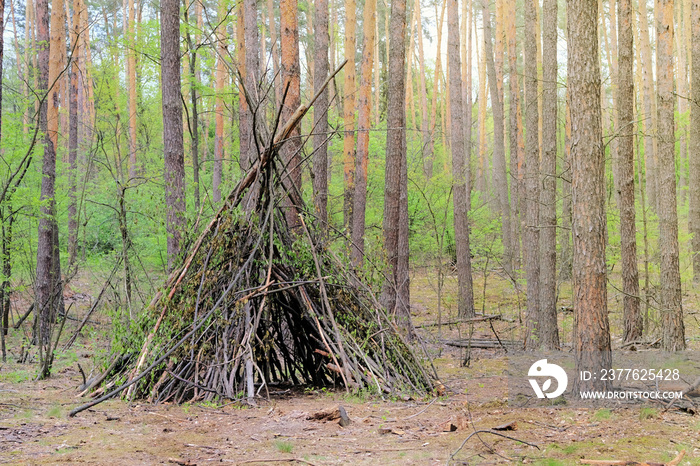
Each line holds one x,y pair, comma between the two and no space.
256,303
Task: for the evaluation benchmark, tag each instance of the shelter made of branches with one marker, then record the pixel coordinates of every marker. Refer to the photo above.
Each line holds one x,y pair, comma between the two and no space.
257,302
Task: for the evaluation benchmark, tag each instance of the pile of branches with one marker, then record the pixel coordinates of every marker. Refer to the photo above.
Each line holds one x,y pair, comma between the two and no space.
256,303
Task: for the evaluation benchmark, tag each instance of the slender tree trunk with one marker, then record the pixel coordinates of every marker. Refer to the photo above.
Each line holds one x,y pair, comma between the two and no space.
220,84
591,327
364,126
395,292
133,111
499,153
436,83
682,95
349,111
650,115
274,51
321,107
172,127
565,263
194,83
465,294
289,28
48,277
532,159
57,62
549,332
516,142
482,164
695,141
73,122
425,122
628,228
673,334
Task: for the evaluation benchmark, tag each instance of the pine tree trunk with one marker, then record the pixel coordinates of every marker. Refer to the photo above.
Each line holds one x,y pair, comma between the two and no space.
194,123
394,293
172,127
349,112
650,115
220,84
628,228
291,151
591,326
321,108
73,121
425,122
499,155
673,333
548,328
47,278
516,141
364,125
532,159
465,295
133,111
695,141
436,84
57,62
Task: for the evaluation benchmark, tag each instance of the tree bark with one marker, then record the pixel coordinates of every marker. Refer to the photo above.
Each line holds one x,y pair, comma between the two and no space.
48,277
131,69
673,333
321,107
174,172
650,115
73,121
531,235
591,327
425,121
291,151
465,295
500,179
349,111
516,141
364,126
549,332
395,292
695,141
628,228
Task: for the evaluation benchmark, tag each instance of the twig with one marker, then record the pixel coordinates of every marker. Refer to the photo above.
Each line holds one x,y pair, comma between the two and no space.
488,431
675,461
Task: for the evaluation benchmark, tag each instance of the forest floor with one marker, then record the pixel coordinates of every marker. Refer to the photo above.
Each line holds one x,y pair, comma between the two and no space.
35,428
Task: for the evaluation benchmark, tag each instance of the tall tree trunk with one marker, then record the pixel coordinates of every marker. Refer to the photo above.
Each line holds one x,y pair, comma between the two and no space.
220,84
274,51
682,95
566,259
48,278
500,179
57,61
549,332
591,327
465,294
628,228
516,141
436,82
673,334
394,294
650,115
133,111
73,121
425,122
172,127
695,141
289,28
194,83
482,164
531,235
364,125
349,111
321,107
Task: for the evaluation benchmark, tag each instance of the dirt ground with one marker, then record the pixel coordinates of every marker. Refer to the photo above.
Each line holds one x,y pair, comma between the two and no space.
35,427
